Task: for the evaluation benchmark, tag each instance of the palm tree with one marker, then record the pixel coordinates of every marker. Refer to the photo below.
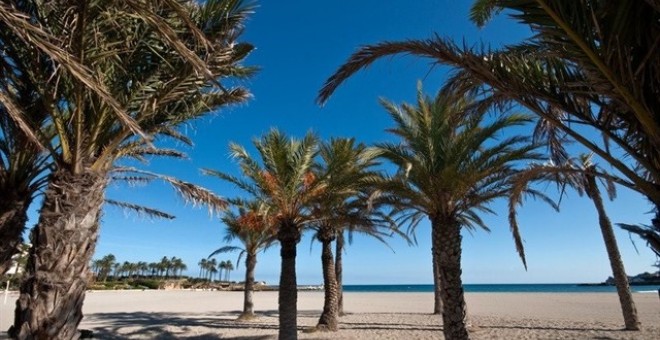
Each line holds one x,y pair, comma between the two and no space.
221,266
228,268
347,170
285,183
142,268
254,229
202,266
212,268
589,63
178,266
106,264
450,169
170,60
581,174
212,272
23,166
166,265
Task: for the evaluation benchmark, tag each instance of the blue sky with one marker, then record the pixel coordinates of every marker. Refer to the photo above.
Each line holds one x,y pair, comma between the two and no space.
299,44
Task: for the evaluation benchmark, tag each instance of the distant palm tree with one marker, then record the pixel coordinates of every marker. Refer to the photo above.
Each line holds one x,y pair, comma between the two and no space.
222,266
581,174
450,168
284,181
254,229
153,269
202,266
589,63
212,272
212,268
178,266
228,268
106,264
166,265
142,268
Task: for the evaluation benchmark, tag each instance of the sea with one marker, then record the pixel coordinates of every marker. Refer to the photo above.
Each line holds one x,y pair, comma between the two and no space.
502,288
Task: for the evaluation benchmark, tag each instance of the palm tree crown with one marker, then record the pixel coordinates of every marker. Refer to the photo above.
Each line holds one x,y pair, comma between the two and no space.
448,163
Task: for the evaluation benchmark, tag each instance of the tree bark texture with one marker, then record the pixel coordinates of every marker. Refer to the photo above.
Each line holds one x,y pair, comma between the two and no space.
339,250
447,246
289,236
13,216
329,319
63,242
620,278
437,296
250,265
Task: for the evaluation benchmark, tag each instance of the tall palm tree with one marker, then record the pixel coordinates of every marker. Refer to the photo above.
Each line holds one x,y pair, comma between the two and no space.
254,229
170,60
589,63
284,181
582,174
347,168
450,168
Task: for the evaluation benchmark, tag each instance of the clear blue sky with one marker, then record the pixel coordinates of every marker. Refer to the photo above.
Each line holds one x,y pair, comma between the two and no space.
299,44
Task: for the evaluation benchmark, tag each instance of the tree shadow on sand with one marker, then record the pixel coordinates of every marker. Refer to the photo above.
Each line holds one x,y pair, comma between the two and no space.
164,326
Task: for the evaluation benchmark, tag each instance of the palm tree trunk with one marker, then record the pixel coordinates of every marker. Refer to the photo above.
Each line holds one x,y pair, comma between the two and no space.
623,289
329,319
339,250
437,298
52,294
288,236
447,246
13,216
248,304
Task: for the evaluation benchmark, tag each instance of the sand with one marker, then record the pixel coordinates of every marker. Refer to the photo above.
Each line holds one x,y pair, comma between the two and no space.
211,315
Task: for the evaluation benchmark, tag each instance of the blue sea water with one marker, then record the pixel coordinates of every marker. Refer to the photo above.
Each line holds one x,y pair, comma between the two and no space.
501,288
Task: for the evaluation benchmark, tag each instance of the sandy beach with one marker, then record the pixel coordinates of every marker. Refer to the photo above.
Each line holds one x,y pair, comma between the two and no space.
211,314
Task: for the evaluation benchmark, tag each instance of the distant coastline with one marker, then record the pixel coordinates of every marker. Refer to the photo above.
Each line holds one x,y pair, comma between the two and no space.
643,279
501,288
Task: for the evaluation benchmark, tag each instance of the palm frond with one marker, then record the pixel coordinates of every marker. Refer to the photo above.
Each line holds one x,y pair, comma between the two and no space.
140,209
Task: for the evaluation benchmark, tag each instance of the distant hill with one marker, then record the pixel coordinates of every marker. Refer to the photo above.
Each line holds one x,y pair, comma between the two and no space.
642,279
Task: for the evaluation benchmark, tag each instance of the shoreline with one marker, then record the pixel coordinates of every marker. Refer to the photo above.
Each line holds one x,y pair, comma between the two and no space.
180,314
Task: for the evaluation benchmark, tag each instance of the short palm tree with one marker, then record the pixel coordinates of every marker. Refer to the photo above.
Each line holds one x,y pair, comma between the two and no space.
589,63
254,229
582,174
283,180
451,166
168,63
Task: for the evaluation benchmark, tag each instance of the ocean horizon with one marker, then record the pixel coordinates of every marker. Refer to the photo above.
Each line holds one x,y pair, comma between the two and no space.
501,288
